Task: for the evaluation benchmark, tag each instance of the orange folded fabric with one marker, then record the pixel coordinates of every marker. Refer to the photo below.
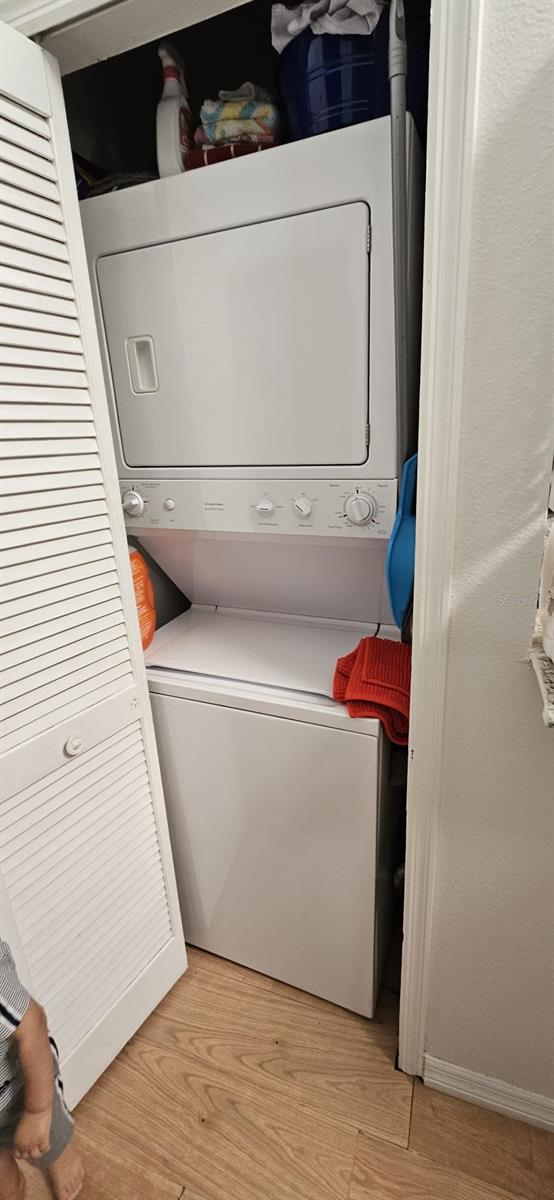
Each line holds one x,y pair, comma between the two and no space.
374,681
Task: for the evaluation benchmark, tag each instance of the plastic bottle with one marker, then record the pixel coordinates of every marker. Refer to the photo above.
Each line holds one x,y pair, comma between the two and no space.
144,596
173,114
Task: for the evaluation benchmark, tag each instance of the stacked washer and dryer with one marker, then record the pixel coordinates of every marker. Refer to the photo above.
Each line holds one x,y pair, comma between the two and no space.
247,320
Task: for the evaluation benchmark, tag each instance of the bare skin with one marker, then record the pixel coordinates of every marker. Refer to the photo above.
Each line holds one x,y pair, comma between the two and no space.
32,1135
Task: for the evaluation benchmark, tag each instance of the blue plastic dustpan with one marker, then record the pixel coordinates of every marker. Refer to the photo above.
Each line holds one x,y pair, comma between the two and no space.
401,548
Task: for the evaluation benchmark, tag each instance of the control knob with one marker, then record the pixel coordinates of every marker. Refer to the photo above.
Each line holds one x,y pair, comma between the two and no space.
302,506
360,509
133,504
265,507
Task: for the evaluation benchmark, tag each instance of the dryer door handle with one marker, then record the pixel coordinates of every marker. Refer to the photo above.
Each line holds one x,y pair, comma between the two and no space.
141,362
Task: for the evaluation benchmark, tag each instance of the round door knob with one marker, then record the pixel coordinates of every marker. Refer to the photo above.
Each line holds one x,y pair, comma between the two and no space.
359,509
133,504
73,746
302,506
265,507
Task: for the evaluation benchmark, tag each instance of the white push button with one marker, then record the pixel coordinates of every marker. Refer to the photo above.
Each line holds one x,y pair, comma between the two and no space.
169,504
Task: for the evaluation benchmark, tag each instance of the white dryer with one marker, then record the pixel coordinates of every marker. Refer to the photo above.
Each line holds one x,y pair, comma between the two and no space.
280,810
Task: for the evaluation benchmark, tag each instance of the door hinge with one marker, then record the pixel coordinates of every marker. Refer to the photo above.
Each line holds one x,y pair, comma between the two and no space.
368,239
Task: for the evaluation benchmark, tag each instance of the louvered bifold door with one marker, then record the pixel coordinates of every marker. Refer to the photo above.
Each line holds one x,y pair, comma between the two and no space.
87,890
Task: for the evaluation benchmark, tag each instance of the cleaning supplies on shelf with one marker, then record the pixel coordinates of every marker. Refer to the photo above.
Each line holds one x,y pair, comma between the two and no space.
144,596
374,681
173,121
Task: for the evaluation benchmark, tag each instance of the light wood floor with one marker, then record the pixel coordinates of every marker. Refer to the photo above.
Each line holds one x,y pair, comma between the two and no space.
240,1088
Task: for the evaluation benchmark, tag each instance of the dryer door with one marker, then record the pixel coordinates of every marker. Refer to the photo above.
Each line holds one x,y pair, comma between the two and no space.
244,348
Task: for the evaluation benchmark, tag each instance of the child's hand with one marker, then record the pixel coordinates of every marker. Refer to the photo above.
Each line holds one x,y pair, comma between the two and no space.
32,1136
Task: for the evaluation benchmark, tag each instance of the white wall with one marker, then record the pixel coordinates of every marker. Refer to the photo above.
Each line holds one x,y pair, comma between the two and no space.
492,981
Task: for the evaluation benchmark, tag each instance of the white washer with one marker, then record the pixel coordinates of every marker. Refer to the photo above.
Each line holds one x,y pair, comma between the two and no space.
280,812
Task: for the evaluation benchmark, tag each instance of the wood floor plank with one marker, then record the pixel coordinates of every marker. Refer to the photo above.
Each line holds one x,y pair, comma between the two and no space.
385,1172
329,1062
223,1141
494,1149
109,1177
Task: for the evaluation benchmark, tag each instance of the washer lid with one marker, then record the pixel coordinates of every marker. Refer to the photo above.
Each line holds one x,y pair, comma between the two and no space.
295,655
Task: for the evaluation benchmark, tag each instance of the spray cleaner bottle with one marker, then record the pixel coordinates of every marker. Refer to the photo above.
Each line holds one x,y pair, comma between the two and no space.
173,123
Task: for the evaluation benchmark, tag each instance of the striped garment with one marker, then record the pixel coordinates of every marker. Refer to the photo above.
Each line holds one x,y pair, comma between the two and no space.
14,1002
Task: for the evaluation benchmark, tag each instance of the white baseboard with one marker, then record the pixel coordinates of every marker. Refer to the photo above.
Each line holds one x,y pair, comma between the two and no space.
501,1097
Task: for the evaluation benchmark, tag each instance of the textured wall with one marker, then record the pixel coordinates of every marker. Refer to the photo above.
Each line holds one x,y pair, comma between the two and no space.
492,983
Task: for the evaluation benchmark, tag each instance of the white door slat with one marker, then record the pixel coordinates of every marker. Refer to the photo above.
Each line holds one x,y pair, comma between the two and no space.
20,704
33,376
41,450
21,554
26,160
23,358
24,117
49,464
18,487
102,800
38,517
37,244
28,182
38,339
24,320
71,771
46,623
17,135
42,229
44,413
46,396
26,719
33,204
52,498
34,281
15,296
17,661
93,548
35,263
25,538
15,430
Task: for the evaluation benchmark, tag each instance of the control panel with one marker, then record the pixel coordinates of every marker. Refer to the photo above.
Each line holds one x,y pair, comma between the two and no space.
320,508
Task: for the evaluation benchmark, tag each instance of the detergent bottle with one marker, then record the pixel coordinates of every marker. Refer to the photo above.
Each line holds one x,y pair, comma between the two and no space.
173,114
144,596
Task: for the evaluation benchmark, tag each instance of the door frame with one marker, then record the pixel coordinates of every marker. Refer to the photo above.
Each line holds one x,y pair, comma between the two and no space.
454,72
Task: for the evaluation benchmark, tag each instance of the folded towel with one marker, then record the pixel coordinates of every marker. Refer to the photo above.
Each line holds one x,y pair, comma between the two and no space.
246,91
351,17
374,681
255,138
203,156
239,120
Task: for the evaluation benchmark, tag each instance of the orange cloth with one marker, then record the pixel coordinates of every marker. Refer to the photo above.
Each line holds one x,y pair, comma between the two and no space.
374,681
